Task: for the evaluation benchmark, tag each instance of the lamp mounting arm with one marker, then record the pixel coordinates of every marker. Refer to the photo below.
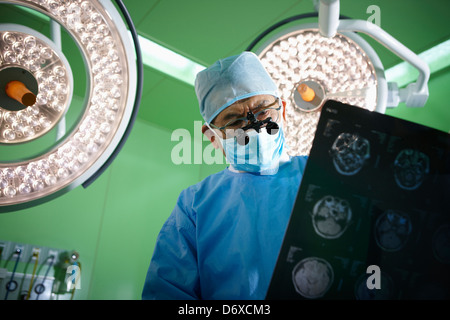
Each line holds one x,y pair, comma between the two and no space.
415,94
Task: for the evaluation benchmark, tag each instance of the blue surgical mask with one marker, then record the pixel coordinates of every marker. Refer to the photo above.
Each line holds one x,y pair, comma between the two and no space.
261,154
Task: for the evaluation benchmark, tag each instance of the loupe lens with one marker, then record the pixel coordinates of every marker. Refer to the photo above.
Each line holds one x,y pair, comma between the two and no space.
243,139
272,128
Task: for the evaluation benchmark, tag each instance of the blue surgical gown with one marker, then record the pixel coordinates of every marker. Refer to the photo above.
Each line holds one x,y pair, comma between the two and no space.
223,237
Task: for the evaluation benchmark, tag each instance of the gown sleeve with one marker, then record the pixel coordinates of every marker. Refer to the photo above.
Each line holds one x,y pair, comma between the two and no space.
173,271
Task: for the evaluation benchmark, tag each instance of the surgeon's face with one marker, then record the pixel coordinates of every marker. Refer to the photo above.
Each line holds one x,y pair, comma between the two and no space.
238,110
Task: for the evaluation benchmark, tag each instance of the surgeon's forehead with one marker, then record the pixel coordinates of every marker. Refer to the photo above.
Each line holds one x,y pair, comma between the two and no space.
238,108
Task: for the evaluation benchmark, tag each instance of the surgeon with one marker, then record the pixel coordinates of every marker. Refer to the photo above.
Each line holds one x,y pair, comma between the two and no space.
223,237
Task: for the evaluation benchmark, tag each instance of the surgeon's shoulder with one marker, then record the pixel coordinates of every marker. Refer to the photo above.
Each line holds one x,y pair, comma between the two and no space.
211,180
298,163
207,184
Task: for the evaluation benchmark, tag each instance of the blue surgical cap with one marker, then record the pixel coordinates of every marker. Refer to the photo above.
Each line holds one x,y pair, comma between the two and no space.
229,80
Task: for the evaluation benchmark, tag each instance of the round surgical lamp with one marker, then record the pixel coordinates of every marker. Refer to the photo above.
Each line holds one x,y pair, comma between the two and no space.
315,62
36,93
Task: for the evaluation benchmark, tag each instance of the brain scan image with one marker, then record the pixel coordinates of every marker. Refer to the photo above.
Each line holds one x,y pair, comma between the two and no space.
410,168
441,244
392,230
386,291
331,217
349,152
312,277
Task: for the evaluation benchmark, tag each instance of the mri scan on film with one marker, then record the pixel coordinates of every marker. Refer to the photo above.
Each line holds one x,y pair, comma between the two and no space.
441,244
392,230
312,277
410,168
350,152
331,217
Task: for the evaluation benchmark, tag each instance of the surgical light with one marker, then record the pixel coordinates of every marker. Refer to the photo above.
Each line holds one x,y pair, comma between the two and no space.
314,62
114,82
41,67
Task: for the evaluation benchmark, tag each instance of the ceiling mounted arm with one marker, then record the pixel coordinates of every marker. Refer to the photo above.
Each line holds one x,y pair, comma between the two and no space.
415,94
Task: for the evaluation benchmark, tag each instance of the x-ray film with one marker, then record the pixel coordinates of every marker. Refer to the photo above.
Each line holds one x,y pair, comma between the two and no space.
372,215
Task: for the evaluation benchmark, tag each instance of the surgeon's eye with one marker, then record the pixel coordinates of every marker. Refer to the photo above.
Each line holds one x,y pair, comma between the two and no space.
237,124
263,112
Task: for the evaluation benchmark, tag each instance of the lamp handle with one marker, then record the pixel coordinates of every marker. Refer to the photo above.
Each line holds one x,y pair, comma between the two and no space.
328,17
